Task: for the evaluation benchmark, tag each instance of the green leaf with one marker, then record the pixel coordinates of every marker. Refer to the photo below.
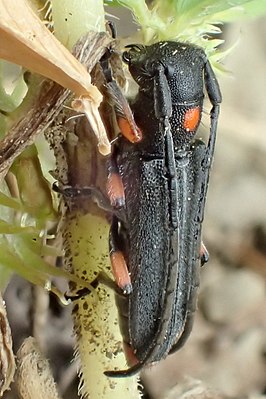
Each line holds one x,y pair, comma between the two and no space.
112,3
13,203
7,228
12,86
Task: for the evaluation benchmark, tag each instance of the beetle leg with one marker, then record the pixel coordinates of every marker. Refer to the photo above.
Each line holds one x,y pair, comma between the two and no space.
112,28
215,97
124,115
119,266
204,254
101,278
93,192
129,354
114,185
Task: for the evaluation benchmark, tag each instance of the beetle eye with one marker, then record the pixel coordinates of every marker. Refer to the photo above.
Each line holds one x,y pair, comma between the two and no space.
133,48
126,57
169,71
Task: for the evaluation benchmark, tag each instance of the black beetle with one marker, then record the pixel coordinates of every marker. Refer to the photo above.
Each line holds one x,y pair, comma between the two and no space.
158,186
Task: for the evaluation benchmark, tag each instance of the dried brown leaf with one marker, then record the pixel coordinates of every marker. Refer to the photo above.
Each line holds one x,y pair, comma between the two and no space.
26,41
7,360
49,104
85,106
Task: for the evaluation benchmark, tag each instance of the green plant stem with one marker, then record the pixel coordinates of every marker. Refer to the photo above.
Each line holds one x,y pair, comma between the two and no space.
95,316
85,233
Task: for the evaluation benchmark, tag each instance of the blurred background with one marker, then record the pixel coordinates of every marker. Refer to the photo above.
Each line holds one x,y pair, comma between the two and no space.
226,353
225,356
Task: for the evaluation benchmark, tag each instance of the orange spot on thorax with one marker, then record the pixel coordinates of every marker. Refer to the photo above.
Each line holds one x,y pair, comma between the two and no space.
192,118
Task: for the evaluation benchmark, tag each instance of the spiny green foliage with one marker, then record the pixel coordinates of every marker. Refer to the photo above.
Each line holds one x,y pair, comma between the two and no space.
189,20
